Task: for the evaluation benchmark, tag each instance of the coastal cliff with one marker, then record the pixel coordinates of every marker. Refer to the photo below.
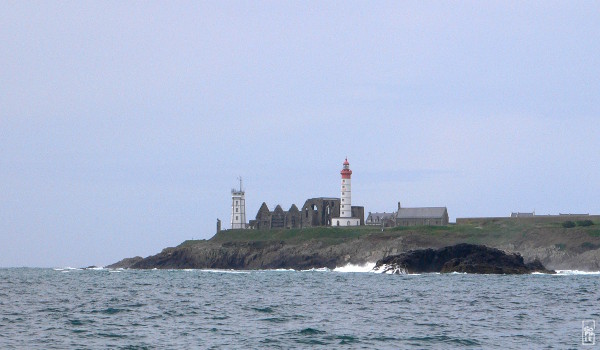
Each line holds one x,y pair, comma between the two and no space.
556,247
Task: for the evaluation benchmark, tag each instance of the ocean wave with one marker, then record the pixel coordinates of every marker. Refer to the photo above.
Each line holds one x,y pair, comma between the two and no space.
389,269
222,271
66,269
95,268
320,269
575,272
367,267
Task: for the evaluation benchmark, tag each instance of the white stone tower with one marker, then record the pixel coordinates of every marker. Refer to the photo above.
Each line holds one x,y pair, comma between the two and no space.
346,218
238,208
346,198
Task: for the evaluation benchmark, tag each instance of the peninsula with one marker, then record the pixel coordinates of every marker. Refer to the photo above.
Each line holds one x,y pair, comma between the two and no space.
331,232
557,247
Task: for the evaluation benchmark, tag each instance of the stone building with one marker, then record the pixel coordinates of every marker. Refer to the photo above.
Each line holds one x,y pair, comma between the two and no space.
266,219
292,217
428,216
316,212
381,219
522,215
319,211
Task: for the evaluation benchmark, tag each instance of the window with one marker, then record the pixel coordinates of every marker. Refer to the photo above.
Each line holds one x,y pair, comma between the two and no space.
342,199
236,217
236,202
237,209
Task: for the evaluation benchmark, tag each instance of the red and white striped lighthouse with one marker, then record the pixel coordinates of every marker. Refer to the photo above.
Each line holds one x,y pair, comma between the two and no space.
346,218
346,198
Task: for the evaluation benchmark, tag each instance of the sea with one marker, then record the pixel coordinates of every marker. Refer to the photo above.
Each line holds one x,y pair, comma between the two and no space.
344,308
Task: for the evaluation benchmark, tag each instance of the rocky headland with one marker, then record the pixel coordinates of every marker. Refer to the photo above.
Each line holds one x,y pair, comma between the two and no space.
463,257
556,247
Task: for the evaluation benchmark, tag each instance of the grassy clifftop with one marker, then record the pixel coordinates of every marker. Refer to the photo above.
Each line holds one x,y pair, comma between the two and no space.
491,234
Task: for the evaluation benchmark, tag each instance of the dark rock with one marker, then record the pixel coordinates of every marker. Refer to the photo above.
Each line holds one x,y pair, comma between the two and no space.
463,257
125,263
537,266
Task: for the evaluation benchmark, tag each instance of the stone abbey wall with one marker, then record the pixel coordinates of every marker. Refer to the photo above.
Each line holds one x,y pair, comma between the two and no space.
316,212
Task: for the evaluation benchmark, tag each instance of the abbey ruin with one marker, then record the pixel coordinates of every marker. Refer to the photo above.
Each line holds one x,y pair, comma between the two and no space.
315,212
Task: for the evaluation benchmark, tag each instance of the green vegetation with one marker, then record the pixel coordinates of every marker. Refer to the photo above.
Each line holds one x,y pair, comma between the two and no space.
589,246
490,233
585,223
568,224
293,235
594,233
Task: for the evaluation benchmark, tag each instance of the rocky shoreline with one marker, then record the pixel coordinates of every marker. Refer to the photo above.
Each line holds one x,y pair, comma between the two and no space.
463,258
554,247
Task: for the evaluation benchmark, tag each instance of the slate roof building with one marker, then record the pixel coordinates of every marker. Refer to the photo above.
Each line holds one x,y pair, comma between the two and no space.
522,215
381,219
428,216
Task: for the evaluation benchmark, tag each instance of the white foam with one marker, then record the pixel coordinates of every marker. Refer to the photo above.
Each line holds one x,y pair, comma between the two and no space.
223,271
96,268
236,271
320,269
576,272
367,267
388,269
66,269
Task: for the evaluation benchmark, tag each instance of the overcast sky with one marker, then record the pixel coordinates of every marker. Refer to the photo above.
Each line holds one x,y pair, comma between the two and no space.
124,125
